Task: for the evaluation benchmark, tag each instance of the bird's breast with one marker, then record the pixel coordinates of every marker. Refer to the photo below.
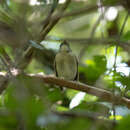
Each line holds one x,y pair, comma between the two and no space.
66,65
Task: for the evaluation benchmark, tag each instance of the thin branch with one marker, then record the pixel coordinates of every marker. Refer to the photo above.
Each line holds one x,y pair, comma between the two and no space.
96,41
4,80
6,65
87,9
7,57
90,115
54,21
115,60
83,50
118,42
51,11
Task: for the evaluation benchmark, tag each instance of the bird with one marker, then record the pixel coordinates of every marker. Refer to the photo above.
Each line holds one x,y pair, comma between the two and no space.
66,63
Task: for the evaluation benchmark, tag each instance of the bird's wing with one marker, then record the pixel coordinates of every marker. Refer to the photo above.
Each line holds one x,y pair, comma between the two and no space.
77,73
55,71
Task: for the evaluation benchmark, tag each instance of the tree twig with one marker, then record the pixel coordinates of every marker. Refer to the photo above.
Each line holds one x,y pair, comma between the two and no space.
6,65
4,80
83,50
85,10
90,115
51,11
115,60
7,57
54,21
96,41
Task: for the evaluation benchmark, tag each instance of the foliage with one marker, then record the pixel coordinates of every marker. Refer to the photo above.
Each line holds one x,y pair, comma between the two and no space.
29,40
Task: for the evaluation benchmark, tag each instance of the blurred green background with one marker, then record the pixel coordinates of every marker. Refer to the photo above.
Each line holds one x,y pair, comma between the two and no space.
93,30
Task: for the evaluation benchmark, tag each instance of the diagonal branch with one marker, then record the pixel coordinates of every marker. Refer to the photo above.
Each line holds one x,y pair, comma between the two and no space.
54,21
101,93
51,11
43,34
7,58
4,80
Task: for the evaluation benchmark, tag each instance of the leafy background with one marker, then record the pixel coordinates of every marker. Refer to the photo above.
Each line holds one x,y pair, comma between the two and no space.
27,103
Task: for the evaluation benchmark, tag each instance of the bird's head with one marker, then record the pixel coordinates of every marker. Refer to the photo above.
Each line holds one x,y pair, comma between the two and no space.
64,47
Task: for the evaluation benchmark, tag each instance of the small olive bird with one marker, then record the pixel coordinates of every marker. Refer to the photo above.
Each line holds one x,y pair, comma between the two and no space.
66,63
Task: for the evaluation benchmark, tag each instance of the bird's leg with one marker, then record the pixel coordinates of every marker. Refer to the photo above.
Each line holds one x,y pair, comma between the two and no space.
62,78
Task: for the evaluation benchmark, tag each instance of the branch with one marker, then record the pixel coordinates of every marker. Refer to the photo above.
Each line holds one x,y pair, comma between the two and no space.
6,56
96,41
48,17
4,80
7,66
83,50
29,52
115,61
54,21
90,115
81,11
101,93
85,10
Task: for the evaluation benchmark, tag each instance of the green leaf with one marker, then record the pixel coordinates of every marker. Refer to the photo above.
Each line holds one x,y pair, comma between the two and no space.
126,36
124,124
93,71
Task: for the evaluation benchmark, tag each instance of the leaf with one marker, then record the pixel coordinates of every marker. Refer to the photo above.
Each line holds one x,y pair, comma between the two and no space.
8,120
93,71
124,124
126,37
54,94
